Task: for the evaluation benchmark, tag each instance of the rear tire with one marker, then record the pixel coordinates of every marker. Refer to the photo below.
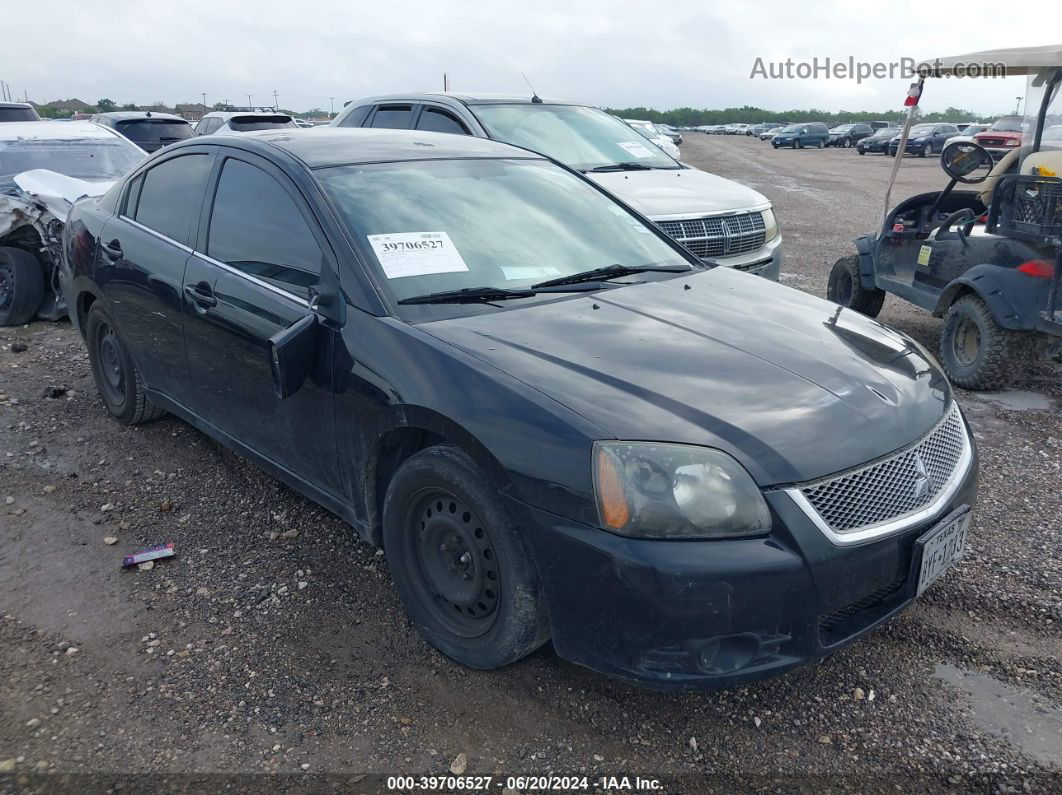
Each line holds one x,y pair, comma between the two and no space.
117,378
21,286
822,144
845,288
976,351
460,562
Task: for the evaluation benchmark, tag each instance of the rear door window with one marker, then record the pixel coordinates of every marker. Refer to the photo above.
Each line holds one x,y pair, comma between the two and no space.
171,195
257,228
154,131
440,121
393,117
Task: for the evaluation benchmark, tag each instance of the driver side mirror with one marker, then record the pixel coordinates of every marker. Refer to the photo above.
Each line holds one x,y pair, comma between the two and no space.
291,355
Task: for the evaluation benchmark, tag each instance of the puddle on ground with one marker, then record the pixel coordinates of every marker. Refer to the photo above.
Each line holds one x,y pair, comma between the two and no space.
1025,719
1018,400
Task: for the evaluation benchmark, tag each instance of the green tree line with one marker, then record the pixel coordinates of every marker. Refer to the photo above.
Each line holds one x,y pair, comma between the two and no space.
749,114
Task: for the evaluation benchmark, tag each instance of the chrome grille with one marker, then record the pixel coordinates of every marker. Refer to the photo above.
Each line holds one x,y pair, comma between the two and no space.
719,235
894,487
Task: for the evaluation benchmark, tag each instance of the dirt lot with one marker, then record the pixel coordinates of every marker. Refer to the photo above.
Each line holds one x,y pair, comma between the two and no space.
274,643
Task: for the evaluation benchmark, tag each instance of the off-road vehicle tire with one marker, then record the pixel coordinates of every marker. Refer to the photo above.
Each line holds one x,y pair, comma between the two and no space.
976,351
846,288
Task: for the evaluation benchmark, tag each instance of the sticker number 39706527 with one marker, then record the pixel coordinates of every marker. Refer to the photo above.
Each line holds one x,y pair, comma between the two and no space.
416,254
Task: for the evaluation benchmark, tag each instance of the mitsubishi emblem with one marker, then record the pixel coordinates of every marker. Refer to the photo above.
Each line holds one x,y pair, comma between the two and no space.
920,488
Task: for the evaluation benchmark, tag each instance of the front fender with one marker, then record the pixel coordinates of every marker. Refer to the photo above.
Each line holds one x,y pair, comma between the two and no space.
865,247
1014,298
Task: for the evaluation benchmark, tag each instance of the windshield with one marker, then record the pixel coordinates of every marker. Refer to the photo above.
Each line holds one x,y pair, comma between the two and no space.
1007,124
921,129
153,131
842,128
792,128
578,136
99,159
887,132
437,225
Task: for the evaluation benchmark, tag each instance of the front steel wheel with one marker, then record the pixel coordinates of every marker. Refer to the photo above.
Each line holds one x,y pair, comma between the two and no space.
460,562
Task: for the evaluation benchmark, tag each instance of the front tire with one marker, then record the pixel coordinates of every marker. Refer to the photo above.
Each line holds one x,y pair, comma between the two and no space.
21,286
460,562
117,377
976,351
846,288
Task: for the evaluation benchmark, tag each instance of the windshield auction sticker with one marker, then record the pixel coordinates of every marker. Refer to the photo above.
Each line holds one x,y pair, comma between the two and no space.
635,149
416,254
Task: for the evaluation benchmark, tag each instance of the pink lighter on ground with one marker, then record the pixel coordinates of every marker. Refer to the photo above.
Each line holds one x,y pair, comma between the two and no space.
151,553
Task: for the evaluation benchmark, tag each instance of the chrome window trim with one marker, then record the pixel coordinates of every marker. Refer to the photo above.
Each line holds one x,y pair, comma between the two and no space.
296,299
900,523
153,233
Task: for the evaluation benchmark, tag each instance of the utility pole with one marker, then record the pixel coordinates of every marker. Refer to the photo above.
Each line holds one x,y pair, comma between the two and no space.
204,99
332,106
1017,108
276,100
446,82
249,100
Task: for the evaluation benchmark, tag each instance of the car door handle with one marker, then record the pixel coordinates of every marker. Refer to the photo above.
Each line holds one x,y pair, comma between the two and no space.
201,295
113,250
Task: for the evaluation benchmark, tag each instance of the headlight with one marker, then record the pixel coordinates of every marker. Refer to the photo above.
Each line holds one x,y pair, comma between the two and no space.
650,490
770,225
919,140
1012,142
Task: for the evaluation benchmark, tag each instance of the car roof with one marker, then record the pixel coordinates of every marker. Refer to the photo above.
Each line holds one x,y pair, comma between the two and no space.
121,115
15,105
51,131
464,97
333,146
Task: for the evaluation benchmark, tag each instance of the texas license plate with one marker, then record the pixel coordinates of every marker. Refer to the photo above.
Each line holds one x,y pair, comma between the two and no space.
942,547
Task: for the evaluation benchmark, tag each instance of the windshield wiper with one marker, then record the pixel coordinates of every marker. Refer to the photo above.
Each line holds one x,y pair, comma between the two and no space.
628,166
471,295
468,295
609,272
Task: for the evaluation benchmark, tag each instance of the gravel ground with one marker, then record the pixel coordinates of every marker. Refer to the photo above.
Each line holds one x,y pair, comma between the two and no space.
274,643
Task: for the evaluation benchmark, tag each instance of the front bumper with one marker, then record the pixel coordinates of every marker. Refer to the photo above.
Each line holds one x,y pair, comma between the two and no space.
711,614
913,148
765,261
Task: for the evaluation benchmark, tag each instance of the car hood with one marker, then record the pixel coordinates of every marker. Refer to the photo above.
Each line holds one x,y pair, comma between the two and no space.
666,193
794,387
58,192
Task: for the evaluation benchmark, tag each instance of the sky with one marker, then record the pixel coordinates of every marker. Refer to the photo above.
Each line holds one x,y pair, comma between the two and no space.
613,53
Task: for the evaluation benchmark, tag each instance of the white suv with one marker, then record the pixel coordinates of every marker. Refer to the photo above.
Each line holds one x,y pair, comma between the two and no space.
229,122
715,218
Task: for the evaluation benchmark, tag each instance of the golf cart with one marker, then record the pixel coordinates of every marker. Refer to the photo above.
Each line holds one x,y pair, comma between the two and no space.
988,259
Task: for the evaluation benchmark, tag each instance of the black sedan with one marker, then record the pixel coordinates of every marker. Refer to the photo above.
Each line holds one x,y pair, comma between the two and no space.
878,143
556,422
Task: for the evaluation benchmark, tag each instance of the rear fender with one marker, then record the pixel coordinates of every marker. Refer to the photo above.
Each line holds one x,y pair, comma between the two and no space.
1014,299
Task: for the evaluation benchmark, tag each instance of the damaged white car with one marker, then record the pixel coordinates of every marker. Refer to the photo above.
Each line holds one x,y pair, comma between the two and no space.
44,168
